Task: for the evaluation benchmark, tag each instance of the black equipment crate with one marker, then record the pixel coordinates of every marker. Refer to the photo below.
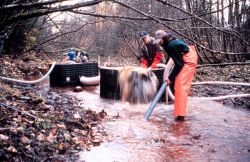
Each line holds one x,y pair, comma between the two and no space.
109,87
69,74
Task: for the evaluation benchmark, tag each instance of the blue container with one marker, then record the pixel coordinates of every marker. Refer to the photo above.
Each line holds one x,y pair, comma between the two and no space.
72,55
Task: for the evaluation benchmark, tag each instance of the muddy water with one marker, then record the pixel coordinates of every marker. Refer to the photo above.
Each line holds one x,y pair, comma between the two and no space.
212,132
137,86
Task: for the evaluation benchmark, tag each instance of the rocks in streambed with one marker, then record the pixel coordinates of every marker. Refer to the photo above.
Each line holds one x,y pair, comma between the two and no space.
78,89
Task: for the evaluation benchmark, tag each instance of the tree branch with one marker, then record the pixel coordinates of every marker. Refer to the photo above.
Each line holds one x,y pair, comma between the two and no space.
21,6
118,16
47,11
202,20
131,49
173,29
62,34
60,29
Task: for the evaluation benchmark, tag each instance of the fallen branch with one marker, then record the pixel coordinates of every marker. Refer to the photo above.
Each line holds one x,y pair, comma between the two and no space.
13,108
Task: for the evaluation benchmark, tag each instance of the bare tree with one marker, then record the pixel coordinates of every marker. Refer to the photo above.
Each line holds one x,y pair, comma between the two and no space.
218,36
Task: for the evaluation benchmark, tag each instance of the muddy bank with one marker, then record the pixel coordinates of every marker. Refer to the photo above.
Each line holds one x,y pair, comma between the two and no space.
46,126
39,123
25,66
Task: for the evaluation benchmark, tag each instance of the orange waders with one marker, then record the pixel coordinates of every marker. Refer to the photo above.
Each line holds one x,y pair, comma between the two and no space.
183,81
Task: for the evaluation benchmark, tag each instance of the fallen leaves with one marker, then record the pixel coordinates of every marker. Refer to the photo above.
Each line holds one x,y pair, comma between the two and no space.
51,138
25,140
62,147
12,149
41,137
61,128
77,115
3,137
52,135
59,132
97,139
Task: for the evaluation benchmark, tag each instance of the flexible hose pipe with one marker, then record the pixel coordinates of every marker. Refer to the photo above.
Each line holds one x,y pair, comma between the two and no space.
32,81
220,97
170,94
90,80
166,72
220,82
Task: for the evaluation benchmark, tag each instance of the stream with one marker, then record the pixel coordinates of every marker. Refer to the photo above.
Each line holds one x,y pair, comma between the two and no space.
211,132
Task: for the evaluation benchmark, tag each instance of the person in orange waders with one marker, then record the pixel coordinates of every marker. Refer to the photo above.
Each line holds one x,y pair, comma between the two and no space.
185,60
151,52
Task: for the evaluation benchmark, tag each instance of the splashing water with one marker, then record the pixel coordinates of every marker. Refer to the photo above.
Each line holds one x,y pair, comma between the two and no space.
137,85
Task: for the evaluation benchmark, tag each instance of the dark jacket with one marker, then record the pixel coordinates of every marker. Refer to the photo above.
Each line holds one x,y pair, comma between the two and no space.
150,52
175,49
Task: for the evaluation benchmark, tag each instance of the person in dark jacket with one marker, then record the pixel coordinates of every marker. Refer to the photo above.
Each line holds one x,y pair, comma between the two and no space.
185,60
151,52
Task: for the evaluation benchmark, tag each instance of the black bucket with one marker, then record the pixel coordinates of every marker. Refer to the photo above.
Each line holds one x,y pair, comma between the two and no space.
109,87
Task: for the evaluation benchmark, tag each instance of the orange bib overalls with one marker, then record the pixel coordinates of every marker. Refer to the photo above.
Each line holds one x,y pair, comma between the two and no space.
183,81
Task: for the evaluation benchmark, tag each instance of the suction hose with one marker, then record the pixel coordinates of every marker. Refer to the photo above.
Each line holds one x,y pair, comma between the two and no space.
84,80
32,81
155,101
166,72
220,82
90,80
170,94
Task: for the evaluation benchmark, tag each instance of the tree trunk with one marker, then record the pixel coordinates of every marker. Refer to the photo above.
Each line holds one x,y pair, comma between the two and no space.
1,45
230,14
237,14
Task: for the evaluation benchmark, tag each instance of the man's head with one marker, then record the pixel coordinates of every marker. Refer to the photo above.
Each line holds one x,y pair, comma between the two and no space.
161,35
145,37
84,57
